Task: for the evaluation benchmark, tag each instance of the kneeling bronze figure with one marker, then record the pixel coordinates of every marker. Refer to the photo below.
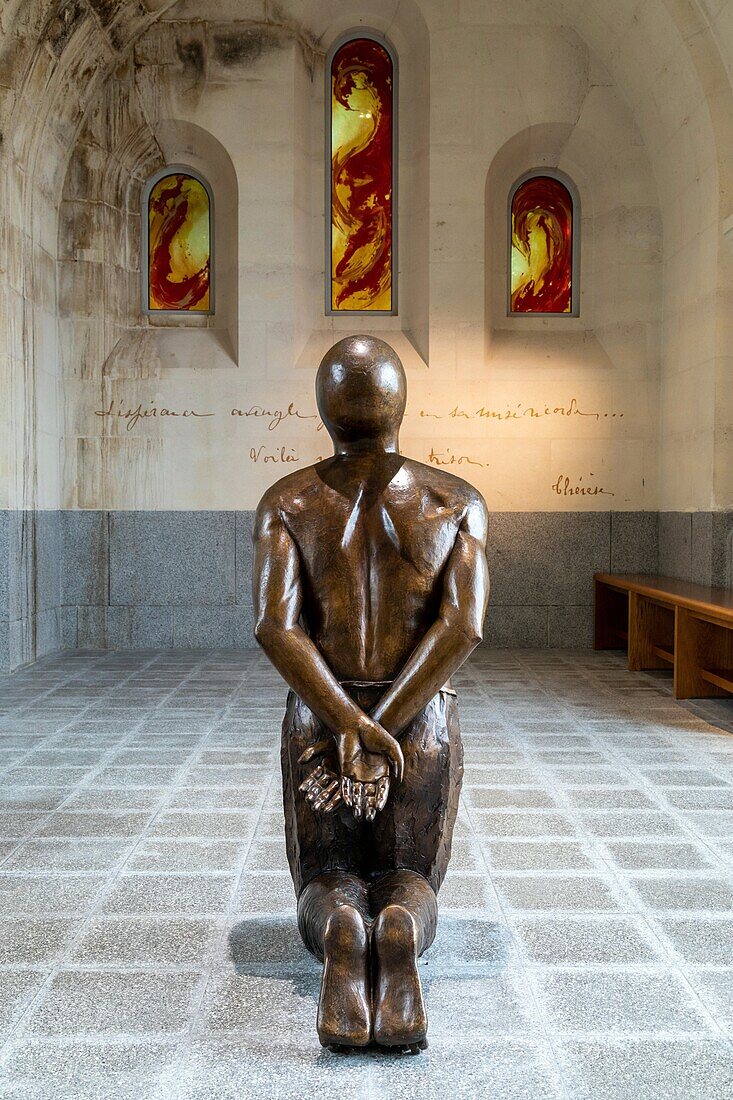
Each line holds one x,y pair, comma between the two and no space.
371,585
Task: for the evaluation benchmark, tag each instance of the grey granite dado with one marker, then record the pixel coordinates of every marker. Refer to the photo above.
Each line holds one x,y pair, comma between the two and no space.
697,546
4,590
675,544
85,557
634,542
172,558
29,586
547,558
721,550
150,580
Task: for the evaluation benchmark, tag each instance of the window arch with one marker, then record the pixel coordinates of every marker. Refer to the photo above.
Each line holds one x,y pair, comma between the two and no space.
361,101
543,245
178,242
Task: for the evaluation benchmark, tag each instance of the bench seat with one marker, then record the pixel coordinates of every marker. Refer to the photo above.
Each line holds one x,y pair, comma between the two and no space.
664,622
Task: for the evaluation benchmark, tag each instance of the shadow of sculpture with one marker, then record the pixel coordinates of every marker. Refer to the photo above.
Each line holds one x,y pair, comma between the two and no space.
463,947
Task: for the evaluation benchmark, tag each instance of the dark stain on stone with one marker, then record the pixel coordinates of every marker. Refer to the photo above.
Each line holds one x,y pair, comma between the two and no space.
108,10
62,25
246,46
191,55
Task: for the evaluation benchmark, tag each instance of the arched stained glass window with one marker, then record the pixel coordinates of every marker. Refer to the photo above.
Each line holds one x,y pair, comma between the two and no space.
542,269
178,253
360,245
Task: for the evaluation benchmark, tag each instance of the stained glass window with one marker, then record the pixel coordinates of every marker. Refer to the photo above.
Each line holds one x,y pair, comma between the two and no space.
179,244
542,247
361,178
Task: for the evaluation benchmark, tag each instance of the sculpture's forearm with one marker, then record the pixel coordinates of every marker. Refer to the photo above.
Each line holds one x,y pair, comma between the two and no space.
301,664
452,637
442,650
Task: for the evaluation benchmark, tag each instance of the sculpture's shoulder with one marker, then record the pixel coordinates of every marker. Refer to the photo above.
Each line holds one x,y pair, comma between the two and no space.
446,489
292,493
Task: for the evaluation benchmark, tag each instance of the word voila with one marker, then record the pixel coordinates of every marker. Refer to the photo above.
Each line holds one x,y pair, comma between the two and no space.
279,454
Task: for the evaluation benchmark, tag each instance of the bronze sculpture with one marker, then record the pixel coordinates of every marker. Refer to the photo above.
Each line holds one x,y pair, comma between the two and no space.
370,587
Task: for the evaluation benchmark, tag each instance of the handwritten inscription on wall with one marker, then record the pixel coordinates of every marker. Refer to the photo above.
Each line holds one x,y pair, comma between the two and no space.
276,418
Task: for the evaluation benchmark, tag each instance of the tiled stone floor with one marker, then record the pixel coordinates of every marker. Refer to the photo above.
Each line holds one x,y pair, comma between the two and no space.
147,940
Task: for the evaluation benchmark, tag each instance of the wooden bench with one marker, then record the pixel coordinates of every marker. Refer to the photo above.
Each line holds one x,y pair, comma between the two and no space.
668,623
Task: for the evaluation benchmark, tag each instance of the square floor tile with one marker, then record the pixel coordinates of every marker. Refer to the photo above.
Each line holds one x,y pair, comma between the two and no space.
614,1002
126,1003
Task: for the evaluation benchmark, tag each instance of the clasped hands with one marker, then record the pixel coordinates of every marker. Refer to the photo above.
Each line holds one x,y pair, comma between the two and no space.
355,769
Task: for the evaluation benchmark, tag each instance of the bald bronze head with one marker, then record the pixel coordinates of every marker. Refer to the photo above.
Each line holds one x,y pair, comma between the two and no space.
361,390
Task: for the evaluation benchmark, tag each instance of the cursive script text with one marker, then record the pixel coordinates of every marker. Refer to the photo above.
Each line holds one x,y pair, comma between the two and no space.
275,417
448,458
522,412
565,488
134,415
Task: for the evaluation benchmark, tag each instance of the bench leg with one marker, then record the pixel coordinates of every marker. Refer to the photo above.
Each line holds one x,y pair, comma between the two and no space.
651,626
699,645
610,617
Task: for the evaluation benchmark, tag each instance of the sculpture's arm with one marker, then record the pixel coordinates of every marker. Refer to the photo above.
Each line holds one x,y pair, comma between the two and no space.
455,633
278,599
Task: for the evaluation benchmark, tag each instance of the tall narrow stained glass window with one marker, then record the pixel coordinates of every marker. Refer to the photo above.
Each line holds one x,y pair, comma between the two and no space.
179,244
361,178
542,247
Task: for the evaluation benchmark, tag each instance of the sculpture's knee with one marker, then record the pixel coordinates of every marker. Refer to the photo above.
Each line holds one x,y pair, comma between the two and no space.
410,892
396,927
345,935
323,897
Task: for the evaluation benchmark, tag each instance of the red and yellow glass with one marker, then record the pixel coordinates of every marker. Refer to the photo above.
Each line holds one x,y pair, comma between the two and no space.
542,247
179,248
361,176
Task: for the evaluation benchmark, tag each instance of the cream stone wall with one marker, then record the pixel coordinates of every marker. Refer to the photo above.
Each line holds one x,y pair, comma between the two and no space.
541,414
625,407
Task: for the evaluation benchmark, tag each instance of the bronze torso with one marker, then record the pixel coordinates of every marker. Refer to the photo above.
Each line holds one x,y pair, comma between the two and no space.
373,538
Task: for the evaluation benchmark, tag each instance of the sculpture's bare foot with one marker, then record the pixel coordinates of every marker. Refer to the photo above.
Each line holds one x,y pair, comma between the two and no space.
344,1012
399,1012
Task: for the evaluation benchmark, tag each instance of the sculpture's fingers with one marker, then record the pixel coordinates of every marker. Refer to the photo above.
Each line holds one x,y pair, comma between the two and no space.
397,760
346,791
308,782
382,792
357,799
314,750
312,778
334,802
312,793
315,773
324,795
370,801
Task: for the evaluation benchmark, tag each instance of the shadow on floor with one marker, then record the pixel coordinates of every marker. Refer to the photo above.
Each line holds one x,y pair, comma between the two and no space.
271,946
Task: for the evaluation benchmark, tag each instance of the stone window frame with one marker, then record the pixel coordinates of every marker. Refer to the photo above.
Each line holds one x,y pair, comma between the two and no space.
382,40
172,170
569,183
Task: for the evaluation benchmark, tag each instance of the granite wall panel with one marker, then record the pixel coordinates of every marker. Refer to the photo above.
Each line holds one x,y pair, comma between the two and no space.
721,563
675,544
634,542
85,558
167,559
547,558
114,580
